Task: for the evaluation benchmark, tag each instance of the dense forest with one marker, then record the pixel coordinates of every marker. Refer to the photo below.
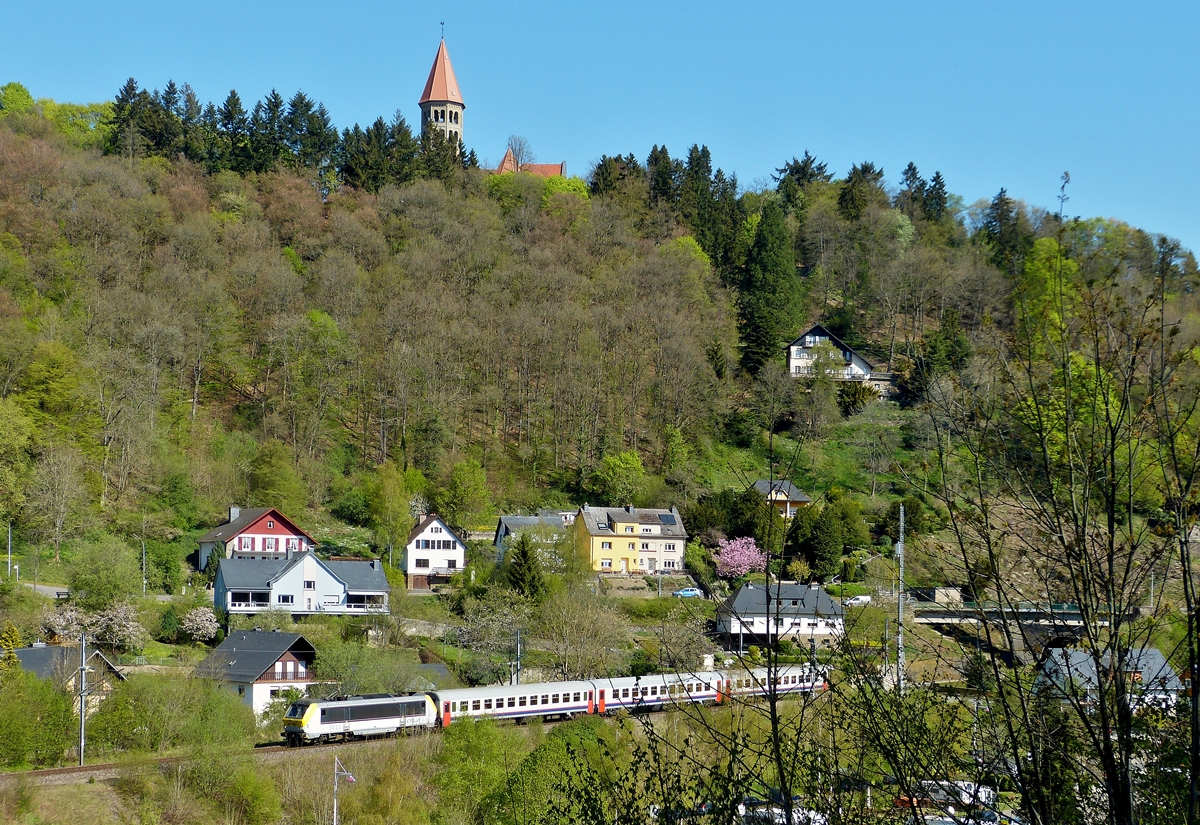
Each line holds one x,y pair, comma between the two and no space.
204,305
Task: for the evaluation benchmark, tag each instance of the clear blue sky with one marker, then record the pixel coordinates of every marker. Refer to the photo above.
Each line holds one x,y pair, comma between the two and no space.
997,94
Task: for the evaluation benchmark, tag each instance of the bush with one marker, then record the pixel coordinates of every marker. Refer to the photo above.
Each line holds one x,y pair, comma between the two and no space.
37,723
157,713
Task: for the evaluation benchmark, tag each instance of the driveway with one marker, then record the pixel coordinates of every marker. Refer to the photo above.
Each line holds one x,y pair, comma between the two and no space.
61,591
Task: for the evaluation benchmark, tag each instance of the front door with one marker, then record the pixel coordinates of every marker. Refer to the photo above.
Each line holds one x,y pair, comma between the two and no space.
651,564
624,565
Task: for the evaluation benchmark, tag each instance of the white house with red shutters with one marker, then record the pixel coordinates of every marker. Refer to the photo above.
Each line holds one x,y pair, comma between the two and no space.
260,533
433,553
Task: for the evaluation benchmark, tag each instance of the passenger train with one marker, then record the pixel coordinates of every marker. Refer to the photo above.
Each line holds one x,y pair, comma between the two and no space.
316,720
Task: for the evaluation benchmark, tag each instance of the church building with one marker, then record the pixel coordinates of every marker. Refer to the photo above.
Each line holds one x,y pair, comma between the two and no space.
441,102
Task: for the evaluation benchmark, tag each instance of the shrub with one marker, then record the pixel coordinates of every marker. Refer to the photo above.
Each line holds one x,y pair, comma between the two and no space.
37,723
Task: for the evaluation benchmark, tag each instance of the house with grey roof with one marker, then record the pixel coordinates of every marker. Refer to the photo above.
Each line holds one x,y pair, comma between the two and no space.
1070,675
762,613
302,584
258,533
787,497
631,539
260,665
546,528
61,666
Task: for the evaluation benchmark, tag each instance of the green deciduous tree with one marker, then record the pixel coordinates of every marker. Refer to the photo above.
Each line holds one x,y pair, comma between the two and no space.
618,478
465,501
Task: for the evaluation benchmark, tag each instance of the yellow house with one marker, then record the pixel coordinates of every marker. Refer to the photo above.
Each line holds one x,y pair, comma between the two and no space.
631,539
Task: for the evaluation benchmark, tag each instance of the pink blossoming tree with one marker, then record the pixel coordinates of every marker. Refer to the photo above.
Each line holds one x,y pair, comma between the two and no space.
737,557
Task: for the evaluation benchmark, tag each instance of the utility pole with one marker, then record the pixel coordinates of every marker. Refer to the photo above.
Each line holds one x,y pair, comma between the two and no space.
900,608
518,669
83,691
143,541
338,770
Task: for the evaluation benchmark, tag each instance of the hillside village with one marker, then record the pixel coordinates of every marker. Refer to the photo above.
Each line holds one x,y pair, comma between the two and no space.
288,414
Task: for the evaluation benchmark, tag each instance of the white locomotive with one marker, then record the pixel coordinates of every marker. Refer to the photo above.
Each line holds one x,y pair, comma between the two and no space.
314,720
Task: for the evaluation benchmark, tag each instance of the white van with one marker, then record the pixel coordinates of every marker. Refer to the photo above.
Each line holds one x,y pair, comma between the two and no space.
856,601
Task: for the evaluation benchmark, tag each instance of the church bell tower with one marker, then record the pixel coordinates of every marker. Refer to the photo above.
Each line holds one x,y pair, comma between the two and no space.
441,103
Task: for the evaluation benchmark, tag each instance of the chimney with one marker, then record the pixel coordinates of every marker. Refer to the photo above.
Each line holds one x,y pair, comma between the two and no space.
372,563
234,512
629,509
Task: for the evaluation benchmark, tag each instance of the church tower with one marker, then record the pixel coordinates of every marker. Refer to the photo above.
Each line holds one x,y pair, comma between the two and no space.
441,103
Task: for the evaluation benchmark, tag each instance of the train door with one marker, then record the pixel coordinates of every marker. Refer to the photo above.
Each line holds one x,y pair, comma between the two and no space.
445,714
602,701
591,704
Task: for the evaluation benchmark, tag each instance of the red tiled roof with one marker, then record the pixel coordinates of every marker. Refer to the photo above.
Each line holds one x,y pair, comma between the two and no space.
542,170
442,86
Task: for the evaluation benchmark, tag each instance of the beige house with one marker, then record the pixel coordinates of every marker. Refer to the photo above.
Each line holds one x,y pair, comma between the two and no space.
61,666
632,539
787,497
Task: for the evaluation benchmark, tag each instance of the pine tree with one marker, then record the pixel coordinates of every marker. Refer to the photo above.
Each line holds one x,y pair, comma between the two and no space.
796,176
664,176
861,187
936,199
525,568
911,198
770,295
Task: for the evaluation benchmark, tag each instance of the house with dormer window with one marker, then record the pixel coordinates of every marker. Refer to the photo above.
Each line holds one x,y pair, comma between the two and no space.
258,533
432,554
819,349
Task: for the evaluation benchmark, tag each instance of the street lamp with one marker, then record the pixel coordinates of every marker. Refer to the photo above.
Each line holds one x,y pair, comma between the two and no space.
338,771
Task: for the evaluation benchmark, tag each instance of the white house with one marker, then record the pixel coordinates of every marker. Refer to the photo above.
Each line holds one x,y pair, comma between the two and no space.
259,665
797,611
433,553
260,533
302,584
841,362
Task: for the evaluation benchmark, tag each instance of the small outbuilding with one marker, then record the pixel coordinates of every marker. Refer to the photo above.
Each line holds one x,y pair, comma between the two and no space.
61,666
259,665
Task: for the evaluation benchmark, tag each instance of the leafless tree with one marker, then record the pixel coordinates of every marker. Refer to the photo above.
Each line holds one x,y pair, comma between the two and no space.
57,498
522,152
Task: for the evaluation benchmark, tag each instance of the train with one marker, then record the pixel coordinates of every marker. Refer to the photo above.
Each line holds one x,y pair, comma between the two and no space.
353,717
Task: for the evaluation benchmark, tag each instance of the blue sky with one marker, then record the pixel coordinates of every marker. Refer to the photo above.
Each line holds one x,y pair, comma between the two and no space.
999,94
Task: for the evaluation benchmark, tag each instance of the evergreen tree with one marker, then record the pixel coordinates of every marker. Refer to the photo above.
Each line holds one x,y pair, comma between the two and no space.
936,199
664,176
234,124
10,640
913,189
524,572
862,187
770,295
439,156
268,142
794,178
1007,233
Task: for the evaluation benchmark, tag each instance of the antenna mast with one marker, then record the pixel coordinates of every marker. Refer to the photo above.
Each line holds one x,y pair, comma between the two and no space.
900,607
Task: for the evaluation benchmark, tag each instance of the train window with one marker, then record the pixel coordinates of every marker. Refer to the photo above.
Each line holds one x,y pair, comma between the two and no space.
512,701
487,704
554,699
708,686
626,693
576,696
654,690
545,699
475,704
645,691
522,701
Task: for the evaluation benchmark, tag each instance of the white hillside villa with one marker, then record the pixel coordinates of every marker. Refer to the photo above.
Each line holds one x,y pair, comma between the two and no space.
842,362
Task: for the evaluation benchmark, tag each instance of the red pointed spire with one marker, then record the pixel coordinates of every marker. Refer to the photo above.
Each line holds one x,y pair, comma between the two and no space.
442,86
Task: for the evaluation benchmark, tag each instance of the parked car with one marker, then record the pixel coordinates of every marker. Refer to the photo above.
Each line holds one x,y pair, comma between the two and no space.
689,593
856,601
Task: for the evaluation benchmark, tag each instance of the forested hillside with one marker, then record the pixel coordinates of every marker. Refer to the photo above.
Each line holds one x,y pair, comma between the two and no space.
201,305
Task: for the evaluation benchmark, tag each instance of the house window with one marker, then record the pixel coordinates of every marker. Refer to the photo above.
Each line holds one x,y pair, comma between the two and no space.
645,545
422,563
286,598
241,690
631,545
300,670
669,563
670,548
310,585
606,545
798,353
290,667
628,529
606,564
451,564
435,529
247,543
796,370
270,525
279,670
269,544
293,544
646,530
